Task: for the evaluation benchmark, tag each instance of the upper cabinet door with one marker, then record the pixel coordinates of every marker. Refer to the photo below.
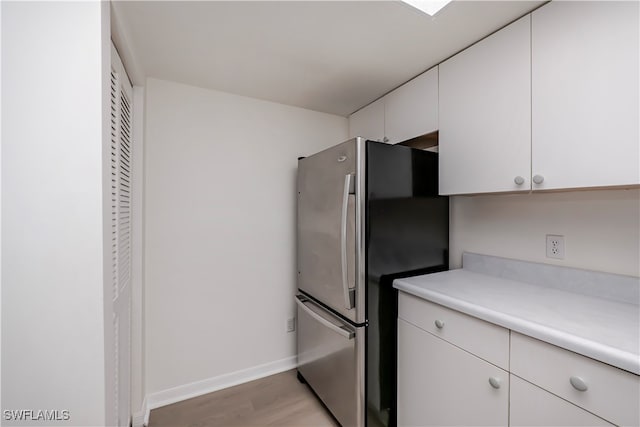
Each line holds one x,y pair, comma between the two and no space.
368,122
485,114
585,94
412,109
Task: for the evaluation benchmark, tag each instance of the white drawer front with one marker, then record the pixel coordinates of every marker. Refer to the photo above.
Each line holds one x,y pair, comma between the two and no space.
526,401
611,393
483,339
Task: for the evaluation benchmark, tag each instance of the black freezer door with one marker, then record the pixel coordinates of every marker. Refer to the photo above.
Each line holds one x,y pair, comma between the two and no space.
407,233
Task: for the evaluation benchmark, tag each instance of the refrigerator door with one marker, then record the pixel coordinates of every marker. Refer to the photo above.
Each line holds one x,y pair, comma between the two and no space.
331,360
330,244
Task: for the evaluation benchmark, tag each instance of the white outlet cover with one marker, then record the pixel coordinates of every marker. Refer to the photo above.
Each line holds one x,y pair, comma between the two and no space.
555,246
291,324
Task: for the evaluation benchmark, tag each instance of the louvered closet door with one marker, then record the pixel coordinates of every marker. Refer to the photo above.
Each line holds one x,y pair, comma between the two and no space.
120,168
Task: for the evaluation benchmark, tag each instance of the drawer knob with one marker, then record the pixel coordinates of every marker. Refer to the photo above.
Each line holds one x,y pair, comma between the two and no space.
518,180
538,179
578,383
439,324
495,382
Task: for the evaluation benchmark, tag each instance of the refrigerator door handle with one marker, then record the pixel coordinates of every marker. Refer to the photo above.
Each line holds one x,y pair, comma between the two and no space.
348,293
343,332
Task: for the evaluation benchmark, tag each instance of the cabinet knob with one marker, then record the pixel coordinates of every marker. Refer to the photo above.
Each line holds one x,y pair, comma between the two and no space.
538,179
385,139
495,382
439,324
518,180
578,383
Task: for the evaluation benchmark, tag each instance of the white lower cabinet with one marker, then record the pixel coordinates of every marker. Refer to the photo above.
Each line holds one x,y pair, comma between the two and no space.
486,340
445,377
529,405
441,384
601,389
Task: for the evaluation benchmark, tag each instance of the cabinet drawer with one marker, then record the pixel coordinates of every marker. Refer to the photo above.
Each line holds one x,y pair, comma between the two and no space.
611,393
526,400
483,339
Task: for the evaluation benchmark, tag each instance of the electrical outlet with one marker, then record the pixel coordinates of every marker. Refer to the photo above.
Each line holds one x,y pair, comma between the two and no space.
291,324
555,246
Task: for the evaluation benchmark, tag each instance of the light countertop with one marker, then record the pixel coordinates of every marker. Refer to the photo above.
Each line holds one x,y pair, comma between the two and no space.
603,328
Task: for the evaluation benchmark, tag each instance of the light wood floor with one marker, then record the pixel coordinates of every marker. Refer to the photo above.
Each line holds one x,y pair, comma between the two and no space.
278,400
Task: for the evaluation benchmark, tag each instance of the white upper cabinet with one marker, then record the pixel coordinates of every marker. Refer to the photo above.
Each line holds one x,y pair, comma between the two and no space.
412,109
407,112
551,101
585,94
485,114
368,122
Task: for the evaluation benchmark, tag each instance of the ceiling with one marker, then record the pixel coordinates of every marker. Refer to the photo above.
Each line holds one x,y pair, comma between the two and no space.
329,56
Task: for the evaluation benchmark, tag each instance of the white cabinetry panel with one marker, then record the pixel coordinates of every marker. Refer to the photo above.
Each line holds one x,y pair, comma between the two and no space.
405,113
368,122
439,384
485,114
585,111
486,340
412,109
609,392
530,405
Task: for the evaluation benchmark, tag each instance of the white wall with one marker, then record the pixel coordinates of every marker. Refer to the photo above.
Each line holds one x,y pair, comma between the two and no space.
220,227
52,211
601,228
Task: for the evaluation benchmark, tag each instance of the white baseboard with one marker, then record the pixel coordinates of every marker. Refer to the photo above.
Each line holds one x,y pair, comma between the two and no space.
137,420
198,388
141,418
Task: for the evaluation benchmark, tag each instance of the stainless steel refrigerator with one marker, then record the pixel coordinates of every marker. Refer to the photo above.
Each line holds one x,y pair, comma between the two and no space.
368,213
